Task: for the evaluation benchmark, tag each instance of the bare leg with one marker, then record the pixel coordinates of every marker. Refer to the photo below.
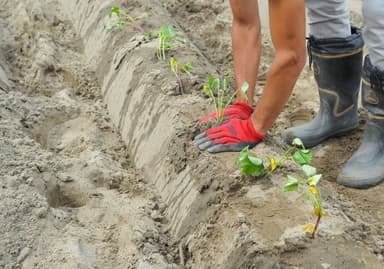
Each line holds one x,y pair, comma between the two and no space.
287,22
246,44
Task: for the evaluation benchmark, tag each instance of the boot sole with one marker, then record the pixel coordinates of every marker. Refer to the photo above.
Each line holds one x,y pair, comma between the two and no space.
363,183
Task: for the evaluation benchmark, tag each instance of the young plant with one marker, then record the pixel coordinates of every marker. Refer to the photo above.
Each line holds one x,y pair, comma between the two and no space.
178,70
167,35
218,91
306,185
124,18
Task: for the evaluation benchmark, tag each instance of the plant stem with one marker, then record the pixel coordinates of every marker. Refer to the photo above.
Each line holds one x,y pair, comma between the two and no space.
230,100
163,48
219,102
159,49
316,226
281,161
132,22
180,83
215,105
285,157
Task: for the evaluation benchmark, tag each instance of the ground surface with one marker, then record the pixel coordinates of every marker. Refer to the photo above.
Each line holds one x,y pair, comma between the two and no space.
76,194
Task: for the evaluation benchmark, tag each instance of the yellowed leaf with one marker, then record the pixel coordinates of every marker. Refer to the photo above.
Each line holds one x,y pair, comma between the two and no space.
313,190
308,228
273,164
318,212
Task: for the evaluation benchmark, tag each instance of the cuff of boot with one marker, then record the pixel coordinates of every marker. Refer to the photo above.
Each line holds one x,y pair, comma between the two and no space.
347,44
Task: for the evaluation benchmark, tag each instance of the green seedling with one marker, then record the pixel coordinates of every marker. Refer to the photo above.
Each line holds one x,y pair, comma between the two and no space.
178,70
297,152
167,35
124,18
219,92
306,185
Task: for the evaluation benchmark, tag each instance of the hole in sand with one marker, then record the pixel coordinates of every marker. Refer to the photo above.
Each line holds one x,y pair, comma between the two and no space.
300,116
39,131
60,196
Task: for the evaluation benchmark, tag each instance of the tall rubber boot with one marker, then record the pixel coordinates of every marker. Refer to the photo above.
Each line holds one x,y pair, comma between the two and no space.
337,64
366,166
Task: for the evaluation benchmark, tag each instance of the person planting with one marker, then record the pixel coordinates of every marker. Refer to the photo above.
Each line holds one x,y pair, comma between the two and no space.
245,126
335,52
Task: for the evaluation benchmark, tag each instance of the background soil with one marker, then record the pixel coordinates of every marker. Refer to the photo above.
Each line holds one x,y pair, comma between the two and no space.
75,195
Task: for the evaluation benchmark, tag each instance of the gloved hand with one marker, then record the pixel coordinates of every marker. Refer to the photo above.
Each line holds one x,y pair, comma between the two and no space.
231,136
238,110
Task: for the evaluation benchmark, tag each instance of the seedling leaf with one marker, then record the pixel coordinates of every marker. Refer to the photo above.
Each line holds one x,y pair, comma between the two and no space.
149,37
207,90
308,170
272,164
255,161
120,24
170,31
308,228
173,63
114,10
297,142
244,90
187,68
248,168
250,165
243,154
291,185
312,181
303,156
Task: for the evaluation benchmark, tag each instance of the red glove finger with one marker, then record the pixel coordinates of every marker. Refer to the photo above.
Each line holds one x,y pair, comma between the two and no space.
238,110
232,136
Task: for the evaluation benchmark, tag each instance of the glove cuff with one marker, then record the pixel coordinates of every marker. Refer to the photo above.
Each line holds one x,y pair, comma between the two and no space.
243,107
256,135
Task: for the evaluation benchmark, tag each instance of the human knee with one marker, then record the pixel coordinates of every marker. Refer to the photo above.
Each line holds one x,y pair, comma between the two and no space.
294,59
246,13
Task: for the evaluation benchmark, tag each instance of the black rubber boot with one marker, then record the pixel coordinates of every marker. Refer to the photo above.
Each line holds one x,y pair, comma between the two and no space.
337,64
366,167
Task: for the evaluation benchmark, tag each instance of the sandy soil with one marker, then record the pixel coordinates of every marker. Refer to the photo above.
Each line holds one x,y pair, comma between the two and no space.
97,164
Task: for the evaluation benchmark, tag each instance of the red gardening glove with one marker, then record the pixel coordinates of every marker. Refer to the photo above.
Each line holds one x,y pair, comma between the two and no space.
231,136
238,110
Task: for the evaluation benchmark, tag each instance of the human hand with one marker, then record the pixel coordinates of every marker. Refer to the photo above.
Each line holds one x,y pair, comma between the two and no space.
231,136
238,110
